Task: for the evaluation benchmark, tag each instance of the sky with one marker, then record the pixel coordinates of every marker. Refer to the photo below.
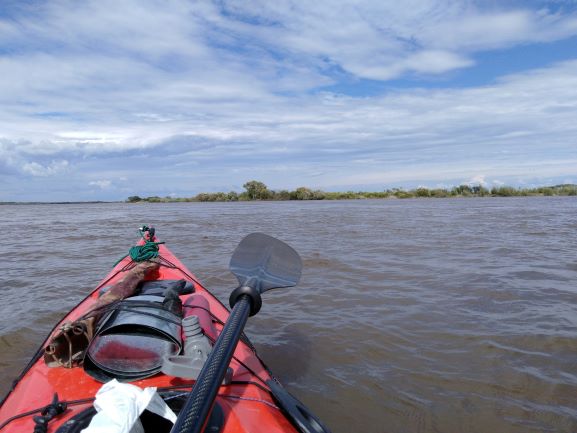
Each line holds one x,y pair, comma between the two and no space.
102,100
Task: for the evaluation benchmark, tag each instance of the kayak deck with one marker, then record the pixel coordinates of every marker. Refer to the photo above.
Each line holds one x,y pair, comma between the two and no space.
246,402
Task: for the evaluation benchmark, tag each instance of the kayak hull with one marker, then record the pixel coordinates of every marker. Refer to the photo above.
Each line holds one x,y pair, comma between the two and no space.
247,403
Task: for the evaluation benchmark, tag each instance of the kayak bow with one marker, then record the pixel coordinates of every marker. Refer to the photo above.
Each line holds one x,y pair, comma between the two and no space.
234,391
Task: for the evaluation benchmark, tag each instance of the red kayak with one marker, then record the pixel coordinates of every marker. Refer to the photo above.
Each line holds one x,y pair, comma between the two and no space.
116,332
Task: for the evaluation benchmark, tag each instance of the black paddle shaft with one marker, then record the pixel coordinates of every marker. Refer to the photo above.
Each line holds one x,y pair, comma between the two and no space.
199,403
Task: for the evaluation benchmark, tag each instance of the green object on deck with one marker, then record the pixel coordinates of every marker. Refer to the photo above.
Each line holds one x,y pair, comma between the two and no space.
141,253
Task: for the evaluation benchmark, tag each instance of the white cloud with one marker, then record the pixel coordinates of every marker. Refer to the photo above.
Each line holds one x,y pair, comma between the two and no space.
523,117
51,169
478,180
102,184
236,84
383,40
499,29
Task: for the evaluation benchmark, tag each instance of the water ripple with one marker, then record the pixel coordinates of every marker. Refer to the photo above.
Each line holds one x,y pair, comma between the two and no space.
411,316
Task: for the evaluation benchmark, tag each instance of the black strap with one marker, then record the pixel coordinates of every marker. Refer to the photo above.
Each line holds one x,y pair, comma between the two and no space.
47,414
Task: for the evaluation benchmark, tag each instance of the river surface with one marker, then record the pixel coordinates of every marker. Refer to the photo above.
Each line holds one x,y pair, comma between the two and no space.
439,315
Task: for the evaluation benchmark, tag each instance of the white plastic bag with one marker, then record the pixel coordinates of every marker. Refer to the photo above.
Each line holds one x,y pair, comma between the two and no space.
119,406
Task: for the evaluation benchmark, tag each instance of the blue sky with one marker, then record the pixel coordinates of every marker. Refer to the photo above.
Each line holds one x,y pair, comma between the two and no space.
100,100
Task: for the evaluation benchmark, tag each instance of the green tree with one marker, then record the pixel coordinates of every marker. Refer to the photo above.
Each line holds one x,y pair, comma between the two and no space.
504,191
422,192
134,199
401,193
256,190
479,190
463,190
283,194
318,194
302,193
439,193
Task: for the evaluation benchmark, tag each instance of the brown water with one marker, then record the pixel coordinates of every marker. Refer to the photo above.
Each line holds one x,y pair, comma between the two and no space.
412,316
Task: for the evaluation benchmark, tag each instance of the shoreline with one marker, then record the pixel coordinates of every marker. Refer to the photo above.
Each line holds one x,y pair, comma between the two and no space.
305,194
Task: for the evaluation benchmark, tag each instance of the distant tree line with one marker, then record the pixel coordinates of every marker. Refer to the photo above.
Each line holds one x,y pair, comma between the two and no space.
255,190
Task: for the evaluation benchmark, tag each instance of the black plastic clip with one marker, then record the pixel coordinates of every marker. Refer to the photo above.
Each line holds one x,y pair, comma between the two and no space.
48,413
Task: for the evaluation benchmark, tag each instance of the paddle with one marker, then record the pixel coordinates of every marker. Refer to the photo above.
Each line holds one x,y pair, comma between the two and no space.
260,263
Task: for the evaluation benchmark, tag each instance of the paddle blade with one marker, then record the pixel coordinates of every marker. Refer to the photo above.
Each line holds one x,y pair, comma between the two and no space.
263,262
